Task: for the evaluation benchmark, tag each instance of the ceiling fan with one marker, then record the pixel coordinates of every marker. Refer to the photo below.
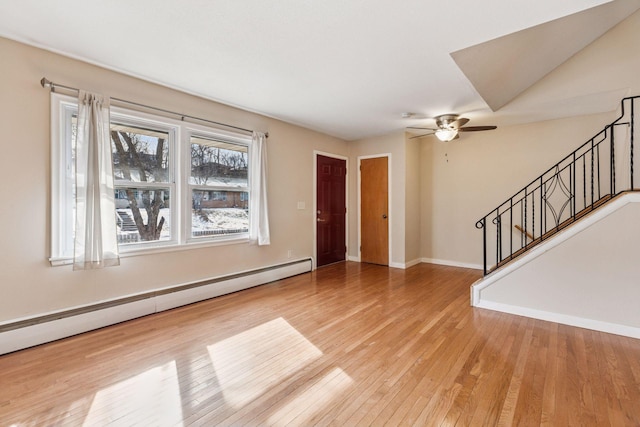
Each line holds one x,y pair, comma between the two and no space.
449,125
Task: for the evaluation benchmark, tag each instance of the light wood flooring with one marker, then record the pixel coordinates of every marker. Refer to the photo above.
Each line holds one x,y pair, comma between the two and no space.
350,344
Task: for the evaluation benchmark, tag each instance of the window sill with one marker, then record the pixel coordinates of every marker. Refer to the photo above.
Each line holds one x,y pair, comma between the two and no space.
126,253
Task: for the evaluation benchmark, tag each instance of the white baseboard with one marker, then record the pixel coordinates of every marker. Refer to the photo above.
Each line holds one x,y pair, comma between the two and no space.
40,333
451,263
413,262
82,319
405,265
397,265
565,319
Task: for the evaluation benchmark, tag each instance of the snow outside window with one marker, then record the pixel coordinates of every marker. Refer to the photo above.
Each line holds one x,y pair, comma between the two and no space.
218,184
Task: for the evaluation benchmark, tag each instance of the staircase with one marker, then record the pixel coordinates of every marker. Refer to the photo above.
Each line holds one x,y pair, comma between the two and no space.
126,222
585,180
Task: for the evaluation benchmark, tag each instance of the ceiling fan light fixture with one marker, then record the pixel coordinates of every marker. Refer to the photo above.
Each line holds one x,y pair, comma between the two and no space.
446,135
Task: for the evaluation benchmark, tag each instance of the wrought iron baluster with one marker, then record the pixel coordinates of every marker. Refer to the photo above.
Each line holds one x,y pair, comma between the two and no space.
482,225
613,163
496,222
598,152
510,228
584,181
592,166
525,217
500,238
633,103
572,185
522,238
542,212
533,214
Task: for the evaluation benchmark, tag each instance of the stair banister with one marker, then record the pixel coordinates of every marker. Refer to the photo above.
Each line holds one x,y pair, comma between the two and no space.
553,181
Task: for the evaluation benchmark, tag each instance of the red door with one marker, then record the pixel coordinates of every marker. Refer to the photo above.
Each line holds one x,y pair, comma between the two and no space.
331,210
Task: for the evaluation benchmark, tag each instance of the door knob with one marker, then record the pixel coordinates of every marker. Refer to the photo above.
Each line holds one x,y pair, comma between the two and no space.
384,216
320,220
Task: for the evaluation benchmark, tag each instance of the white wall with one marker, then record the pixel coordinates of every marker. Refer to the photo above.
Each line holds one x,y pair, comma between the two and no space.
30,286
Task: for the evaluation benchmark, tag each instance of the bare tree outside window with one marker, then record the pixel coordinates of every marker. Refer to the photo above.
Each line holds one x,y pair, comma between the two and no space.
140,157
210,164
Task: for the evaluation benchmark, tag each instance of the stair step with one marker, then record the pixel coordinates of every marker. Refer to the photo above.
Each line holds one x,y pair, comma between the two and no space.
127,222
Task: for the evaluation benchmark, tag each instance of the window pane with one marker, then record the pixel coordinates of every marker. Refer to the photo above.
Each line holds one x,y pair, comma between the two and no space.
219,213
143,214
139,155
217,163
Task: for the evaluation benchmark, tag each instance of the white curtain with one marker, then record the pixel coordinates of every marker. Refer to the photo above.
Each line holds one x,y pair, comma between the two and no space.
95,244
258,207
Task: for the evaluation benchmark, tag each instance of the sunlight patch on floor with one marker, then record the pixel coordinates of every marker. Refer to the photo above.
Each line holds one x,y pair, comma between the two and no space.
312,400
150,398
250,363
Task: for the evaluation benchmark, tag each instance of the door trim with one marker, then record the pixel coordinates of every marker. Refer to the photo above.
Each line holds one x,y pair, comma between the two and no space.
390,202
317,153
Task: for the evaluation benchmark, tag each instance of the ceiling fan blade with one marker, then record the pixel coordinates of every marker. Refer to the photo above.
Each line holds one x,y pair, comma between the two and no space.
421,128
420,136
457,124
476,128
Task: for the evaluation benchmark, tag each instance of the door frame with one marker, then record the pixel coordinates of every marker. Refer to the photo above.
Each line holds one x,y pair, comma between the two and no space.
317,153
390,209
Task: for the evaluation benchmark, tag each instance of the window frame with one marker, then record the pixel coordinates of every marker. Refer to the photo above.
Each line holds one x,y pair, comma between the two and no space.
172,128
197,131
63,108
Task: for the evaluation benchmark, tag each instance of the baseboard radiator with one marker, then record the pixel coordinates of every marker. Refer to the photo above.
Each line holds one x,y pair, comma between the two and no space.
28,332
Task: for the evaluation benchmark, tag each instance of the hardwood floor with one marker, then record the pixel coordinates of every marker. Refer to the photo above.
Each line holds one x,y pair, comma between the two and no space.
350,344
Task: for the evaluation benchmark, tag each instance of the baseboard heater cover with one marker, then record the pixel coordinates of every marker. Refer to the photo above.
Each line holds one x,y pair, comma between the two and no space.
18,335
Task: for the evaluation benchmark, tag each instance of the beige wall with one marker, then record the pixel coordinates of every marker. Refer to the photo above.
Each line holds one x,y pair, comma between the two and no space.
413,213
393,144
456,183
463,180
30,286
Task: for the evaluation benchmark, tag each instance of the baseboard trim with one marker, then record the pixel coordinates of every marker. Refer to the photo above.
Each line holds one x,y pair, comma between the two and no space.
451,263
565,319
405,265
397,265
28,332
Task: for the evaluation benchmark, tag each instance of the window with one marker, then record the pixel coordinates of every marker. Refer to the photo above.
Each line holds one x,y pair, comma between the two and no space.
217,181
143,179
159,202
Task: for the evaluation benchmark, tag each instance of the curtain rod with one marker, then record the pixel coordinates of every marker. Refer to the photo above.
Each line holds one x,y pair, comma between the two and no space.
46,83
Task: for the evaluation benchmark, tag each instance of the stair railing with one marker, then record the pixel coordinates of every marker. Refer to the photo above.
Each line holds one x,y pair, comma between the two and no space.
597,171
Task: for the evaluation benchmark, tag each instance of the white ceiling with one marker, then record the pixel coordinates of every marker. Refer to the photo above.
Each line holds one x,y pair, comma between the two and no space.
347,68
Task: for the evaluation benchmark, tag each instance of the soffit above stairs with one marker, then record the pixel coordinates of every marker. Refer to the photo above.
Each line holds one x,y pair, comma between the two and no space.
503,68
